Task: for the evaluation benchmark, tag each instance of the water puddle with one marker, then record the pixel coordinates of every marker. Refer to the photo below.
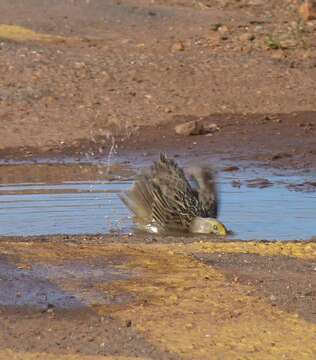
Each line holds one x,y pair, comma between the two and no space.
75,208
253,205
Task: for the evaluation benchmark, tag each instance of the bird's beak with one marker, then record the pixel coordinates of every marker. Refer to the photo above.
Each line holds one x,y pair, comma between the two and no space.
222,230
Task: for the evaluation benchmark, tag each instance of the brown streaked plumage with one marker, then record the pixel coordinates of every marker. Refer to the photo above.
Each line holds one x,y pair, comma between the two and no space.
162,199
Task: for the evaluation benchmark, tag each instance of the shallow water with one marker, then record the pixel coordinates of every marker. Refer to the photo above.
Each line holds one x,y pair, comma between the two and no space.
269,213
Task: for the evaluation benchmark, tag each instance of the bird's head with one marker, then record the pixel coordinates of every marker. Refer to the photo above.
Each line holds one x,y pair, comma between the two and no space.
208,226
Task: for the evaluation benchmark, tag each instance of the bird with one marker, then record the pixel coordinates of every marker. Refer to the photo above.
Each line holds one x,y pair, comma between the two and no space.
162,199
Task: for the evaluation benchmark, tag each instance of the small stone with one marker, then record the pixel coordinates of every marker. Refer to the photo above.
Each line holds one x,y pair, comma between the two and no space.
169,109
195,128
128,323
277,55
216,26
280,156
79,65
213,39
288,43
189,128
223,29
259,183
273,297
211,128
231,168
236,184
224,37
308,10
177,46
246,37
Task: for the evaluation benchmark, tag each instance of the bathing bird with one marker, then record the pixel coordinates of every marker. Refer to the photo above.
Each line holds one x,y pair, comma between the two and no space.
163,199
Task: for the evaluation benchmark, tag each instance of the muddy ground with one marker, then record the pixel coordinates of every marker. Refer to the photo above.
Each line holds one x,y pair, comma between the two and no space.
94,75
77,297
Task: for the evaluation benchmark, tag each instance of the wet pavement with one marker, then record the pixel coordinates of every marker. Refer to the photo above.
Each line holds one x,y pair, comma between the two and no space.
64,286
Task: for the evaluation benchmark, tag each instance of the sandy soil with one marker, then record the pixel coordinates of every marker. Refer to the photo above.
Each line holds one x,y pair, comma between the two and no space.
93,74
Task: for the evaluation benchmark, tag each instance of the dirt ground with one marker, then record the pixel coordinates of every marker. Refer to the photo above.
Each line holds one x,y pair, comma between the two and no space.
94,68
98,297
81,78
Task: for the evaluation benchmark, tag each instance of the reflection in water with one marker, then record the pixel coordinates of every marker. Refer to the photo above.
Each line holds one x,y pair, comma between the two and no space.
267,213
66,208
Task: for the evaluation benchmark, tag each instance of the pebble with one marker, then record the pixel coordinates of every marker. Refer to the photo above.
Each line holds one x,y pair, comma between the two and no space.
308,10
277,55
189,128
214,39
195,128
259,183
79,65
177,46
288,43
231,168
236,184
215,27
223,31
246,37
169,109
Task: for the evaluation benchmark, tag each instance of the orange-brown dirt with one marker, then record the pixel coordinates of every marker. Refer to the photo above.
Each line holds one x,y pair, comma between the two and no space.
117,67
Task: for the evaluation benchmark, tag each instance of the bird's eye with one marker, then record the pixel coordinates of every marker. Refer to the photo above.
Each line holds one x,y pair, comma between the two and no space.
215,227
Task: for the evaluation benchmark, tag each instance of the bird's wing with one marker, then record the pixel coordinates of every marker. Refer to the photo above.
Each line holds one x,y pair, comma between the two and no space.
163,195
205,185
175,202
139,199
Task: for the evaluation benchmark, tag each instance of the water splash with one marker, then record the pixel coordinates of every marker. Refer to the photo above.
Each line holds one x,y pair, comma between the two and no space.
113,151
